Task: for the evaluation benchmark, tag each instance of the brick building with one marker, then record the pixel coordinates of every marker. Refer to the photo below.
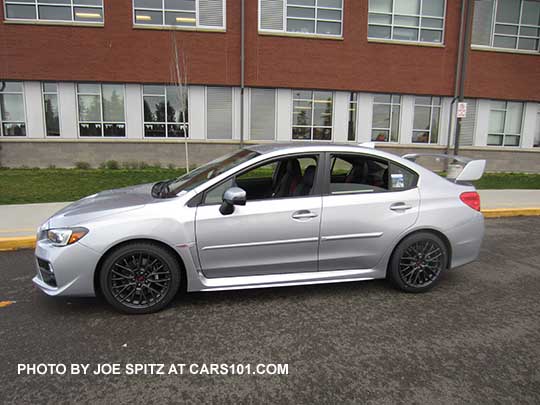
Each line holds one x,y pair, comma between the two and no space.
91,80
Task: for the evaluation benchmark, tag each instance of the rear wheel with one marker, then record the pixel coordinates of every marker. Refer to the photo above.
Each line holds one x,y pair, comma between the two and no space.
140,278
418,262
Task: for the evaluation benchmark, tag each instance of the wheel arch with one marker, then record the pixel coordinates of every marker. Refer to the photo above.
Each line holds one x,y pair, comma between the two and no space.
435,232
170,249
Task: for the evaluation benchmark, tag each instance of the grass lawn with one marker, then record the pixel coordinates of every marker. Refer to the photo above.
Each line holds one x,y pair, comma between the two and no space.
24,186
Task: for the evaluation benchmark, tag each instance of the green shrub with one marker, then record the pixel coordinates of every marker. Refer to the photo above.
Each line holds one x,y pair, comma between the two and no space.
112,165
52,167
82,165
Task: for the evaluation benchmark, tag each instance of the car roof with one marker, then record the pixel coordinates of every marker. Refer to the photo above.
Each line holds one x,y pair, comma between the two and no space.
292,147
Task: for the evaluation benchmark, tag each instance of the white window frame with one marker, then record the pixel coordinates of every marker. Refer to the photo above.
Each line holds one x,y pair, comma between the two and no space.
303,34
102,122
38,3
537,131
179,27
431,106
419,27
312,126
2,122
48,93
391,104
516,36
166,122
505,133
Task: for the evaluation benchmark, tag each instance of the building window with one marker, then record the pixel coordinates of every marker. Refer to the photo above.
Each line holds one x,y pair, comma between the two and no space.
537,133
312,115
509,24
353,111
262,114
101,109
385,123
407,20
504,123
165,111
314,17
219,113
12,115
50,108
180,13
80,11
427,111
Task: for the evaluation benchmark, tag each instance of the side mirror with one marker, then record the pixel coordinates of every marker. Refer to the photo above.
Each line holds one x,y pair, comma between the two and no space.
231,197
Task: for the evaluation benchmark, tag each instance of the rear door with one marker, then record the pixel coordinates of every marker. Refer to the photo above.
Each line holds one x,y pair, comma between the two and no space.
368,202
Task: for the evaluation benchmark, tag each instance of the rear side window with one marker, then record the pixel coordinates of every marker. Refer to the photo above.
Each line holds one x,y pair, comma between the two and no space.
401,178
354,174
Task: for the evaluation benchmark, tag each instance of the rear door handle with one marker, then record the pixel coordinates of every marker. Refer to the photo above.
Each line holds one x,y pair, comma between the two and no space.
304,214
400,206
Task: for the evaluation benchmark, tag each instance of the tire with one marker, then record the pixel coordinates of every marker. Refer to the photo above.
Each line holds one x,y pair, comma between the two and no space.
140,278
418,262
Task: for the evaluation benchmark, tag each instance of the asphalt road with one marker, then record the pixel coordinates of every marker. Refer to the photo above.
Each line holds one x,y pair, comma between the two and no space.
473,339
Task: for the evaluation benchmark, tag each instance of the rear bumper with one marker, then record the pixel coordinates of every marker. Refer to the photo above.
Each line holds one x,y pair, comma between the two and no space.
466,240
71,267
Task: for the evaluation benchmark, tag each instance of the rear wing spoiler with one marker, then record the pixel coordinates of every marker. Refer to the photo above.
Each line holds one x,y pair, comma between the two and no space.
460,168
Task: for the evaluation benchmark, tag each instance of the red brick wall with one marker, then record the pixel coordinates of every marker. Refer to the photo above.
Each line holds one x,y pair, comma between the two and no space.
117,52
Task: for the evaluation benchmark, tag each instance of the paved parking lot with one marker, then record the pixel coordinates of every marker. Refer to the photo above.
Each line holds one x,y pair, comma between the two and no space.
474,339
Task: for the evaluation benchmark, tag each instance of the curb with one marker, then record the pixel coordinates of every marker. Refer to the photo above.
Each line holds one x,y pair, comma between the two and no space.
29,242
510,212
17,242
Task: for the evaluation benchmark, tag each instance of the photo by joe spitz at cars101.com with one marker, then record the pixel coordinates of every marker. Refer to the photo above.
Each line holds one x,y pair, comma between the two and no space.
265,216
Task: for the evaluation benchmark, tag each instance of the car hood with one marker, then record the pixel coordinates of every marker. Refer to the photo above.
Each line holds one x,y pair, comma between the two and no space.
102,204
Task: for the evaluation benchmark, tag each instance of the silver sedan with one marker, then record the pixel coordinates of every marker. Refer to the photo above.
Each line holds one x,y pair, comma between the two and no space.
264,216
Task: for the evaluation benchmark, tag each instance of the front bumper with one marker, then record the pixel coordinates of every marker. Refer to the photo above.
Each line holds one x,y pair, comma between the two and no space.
65,271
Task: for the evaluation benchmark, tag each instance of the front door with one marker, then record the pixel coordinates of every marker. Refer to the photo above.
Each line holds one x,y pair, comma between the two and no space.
276,232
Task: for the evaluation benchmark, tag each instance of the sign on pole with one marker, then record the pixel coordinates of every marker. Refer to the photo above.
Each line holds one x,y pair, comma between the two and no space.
461,110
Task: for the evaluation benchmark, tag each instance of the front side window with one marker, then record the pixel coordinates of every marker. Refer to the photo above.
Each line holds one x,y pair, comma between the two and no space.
287,177
101,109
312,17
385,123
50,108
12,116
407,20
505,123
312,115
427,111
180,13
165,111
508,24
80,11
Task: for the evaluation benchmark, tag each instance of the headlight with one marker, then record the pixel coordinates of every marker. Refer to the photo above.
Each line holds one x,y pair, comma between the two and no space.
65,236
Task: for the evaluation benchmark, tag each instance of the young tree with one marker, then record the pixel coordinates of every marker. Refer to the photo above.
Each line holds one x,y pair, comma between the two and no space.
179,79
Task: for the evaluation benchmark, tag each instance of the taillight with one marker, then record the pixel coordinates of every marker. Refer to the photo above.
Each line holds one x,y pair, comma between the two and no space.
472,199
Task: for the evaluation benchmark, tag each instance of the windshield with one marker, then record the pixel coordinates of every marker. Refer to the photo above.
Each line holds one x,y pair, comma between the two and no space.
210,170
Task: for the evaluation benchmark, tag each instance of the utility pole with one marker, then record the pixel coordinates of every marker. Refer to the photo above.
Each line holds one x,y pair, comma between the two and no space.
242,73
463,74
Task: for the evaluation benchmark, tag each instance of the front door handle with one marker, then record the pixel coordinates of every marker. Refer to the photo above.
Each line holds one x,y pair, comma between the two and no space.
401,206
304,214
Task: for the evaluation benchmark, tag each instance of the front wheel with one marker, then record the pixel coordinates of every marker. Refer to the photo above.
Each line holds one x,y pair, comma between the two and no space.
140,278
418,262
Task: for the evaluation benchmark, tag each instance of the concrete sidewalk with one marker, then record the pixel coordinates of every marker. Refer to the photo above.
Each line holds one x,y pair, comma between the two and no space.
18,223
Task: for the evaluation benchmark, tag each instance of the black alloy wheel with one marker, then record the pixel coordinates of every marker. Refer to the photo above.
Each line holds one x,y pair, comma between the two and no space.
140,278
417,262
